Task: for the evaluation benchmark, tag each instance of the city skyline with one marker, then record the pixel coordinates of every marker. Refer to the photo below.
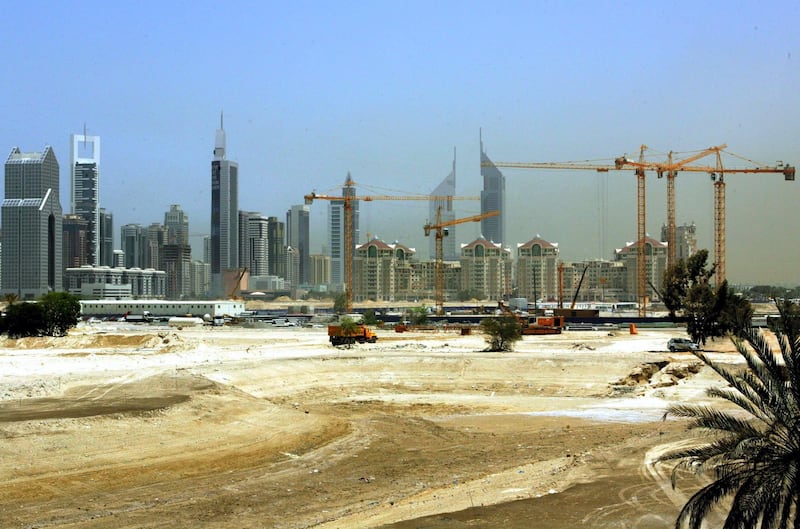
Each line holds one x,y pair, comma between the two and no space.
309,98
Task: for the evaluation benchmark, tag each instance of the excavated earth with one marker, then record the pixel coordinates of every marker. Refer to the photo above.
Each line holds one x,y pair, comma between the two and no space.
119,426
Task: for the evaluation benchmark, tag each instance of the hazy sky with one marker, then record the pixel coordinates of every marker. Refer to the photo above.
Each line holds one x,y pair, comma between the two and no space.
386,90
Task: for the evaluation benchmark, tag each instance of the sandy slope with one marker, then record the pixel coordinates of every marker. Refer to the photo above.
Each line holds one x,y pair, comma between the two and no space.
119,426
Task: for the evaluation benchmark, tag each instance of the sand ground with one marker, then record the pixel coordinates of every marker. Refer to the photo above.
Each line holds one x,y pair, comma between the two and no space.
121,426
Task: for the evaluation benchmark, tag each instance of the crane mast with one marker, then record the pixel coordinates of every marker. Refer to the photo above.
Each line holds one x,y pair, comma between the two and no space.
439,229
349,245
671,169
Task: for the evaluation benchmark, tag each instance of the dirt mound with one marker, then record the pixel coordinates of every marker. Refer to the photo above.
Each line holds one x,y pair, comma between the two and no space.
97,341
659,374
148,394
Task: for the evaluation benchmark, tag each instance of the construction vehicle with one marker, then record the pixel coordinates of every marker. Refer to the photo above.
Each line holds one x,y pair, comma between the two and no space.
441,232
237,285
349,244
361,334
537,325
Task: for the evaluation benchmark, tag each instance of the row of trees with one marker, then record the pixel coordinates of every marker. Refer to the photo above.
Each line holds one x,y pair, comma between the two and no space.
52,315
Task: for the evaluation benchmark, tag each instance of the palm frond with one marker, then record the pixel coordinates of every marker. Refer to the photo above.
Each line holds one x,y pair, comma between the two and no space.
712,419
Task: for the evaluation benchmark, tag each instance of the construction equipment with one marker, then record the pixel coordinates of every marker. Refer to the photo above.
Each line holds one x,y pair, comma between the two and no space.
349,246
361,334
578,289
237,285
669,168
539,324
718,178
620,163
441,232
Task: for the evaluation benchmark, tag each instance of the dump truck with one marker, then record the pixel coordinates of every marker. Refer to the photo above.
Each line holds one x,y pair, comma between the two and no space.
361,334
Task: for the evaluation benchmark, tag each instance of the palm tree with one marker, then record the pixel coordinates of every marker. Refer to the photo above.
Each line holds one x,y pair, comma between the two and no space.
755,458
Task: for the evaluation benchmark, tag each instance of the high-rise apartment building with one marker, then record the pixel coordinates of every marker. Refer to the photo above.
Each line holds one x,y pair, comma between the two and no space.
134,244
254,243
85,189
441,208
292,267
176,255
336,230
299,239
155,239
31,220
73,245
276,247
537,269
685,240
486,269
177,222
224,213
382,271
176,261
106,237
493,198
201,279
320,269
655,266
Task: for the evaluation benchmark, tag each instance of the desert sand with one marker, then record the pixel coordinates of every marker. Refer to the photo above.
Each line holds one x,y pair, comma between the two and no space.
119,426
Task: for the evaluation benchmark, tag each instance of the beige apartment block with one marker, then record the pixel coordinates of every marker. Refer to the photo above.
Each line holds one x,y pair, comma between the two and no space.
486,269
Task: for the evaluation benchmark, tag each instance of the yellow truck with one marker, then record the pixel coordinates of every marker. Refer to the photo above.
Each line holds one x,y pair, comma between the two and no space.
360,334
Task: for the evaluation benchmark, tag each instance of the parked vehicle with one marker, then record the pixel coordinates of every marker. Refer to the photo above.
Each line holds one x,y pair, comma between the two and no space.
362,334
682,344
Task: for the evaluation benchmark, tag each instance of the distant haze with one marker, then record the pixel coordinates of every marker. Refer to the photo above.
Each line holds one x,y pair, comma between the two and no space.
312,90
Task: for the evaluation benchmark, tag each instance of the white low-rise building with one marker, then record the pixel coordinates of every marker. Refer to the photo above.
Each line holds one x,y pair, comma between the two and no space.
160,307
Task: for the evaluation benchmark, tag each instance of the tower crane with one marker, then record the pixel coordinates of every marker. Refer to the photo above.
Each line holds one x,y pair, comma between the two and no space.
671,170
440,229
347,201
718,178
620,163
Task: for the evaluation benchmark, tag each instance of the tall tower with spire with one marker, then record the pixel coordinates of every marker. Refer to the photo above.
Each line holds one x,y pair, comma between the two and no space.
336,231
493,197
224,212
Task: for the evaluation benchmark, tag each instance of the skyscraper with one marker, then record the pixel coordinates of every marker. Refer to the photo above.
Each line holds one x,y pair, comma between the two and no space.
276,247
176,259
73,245
156,238
336,228
493,198
105,236
298,238
85,189
177,222
253,243
32,231
224,213
447,188
134,244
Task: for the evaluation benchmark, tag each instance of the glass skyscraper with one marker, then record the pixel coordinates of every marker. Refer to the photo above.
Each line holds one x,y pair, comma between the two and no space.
85,190
224,213
32,220
493,198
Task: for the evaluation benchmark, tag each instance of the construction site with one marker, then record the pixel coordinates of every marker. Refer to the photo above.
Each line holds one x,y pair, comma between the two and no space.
488,269
133,426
